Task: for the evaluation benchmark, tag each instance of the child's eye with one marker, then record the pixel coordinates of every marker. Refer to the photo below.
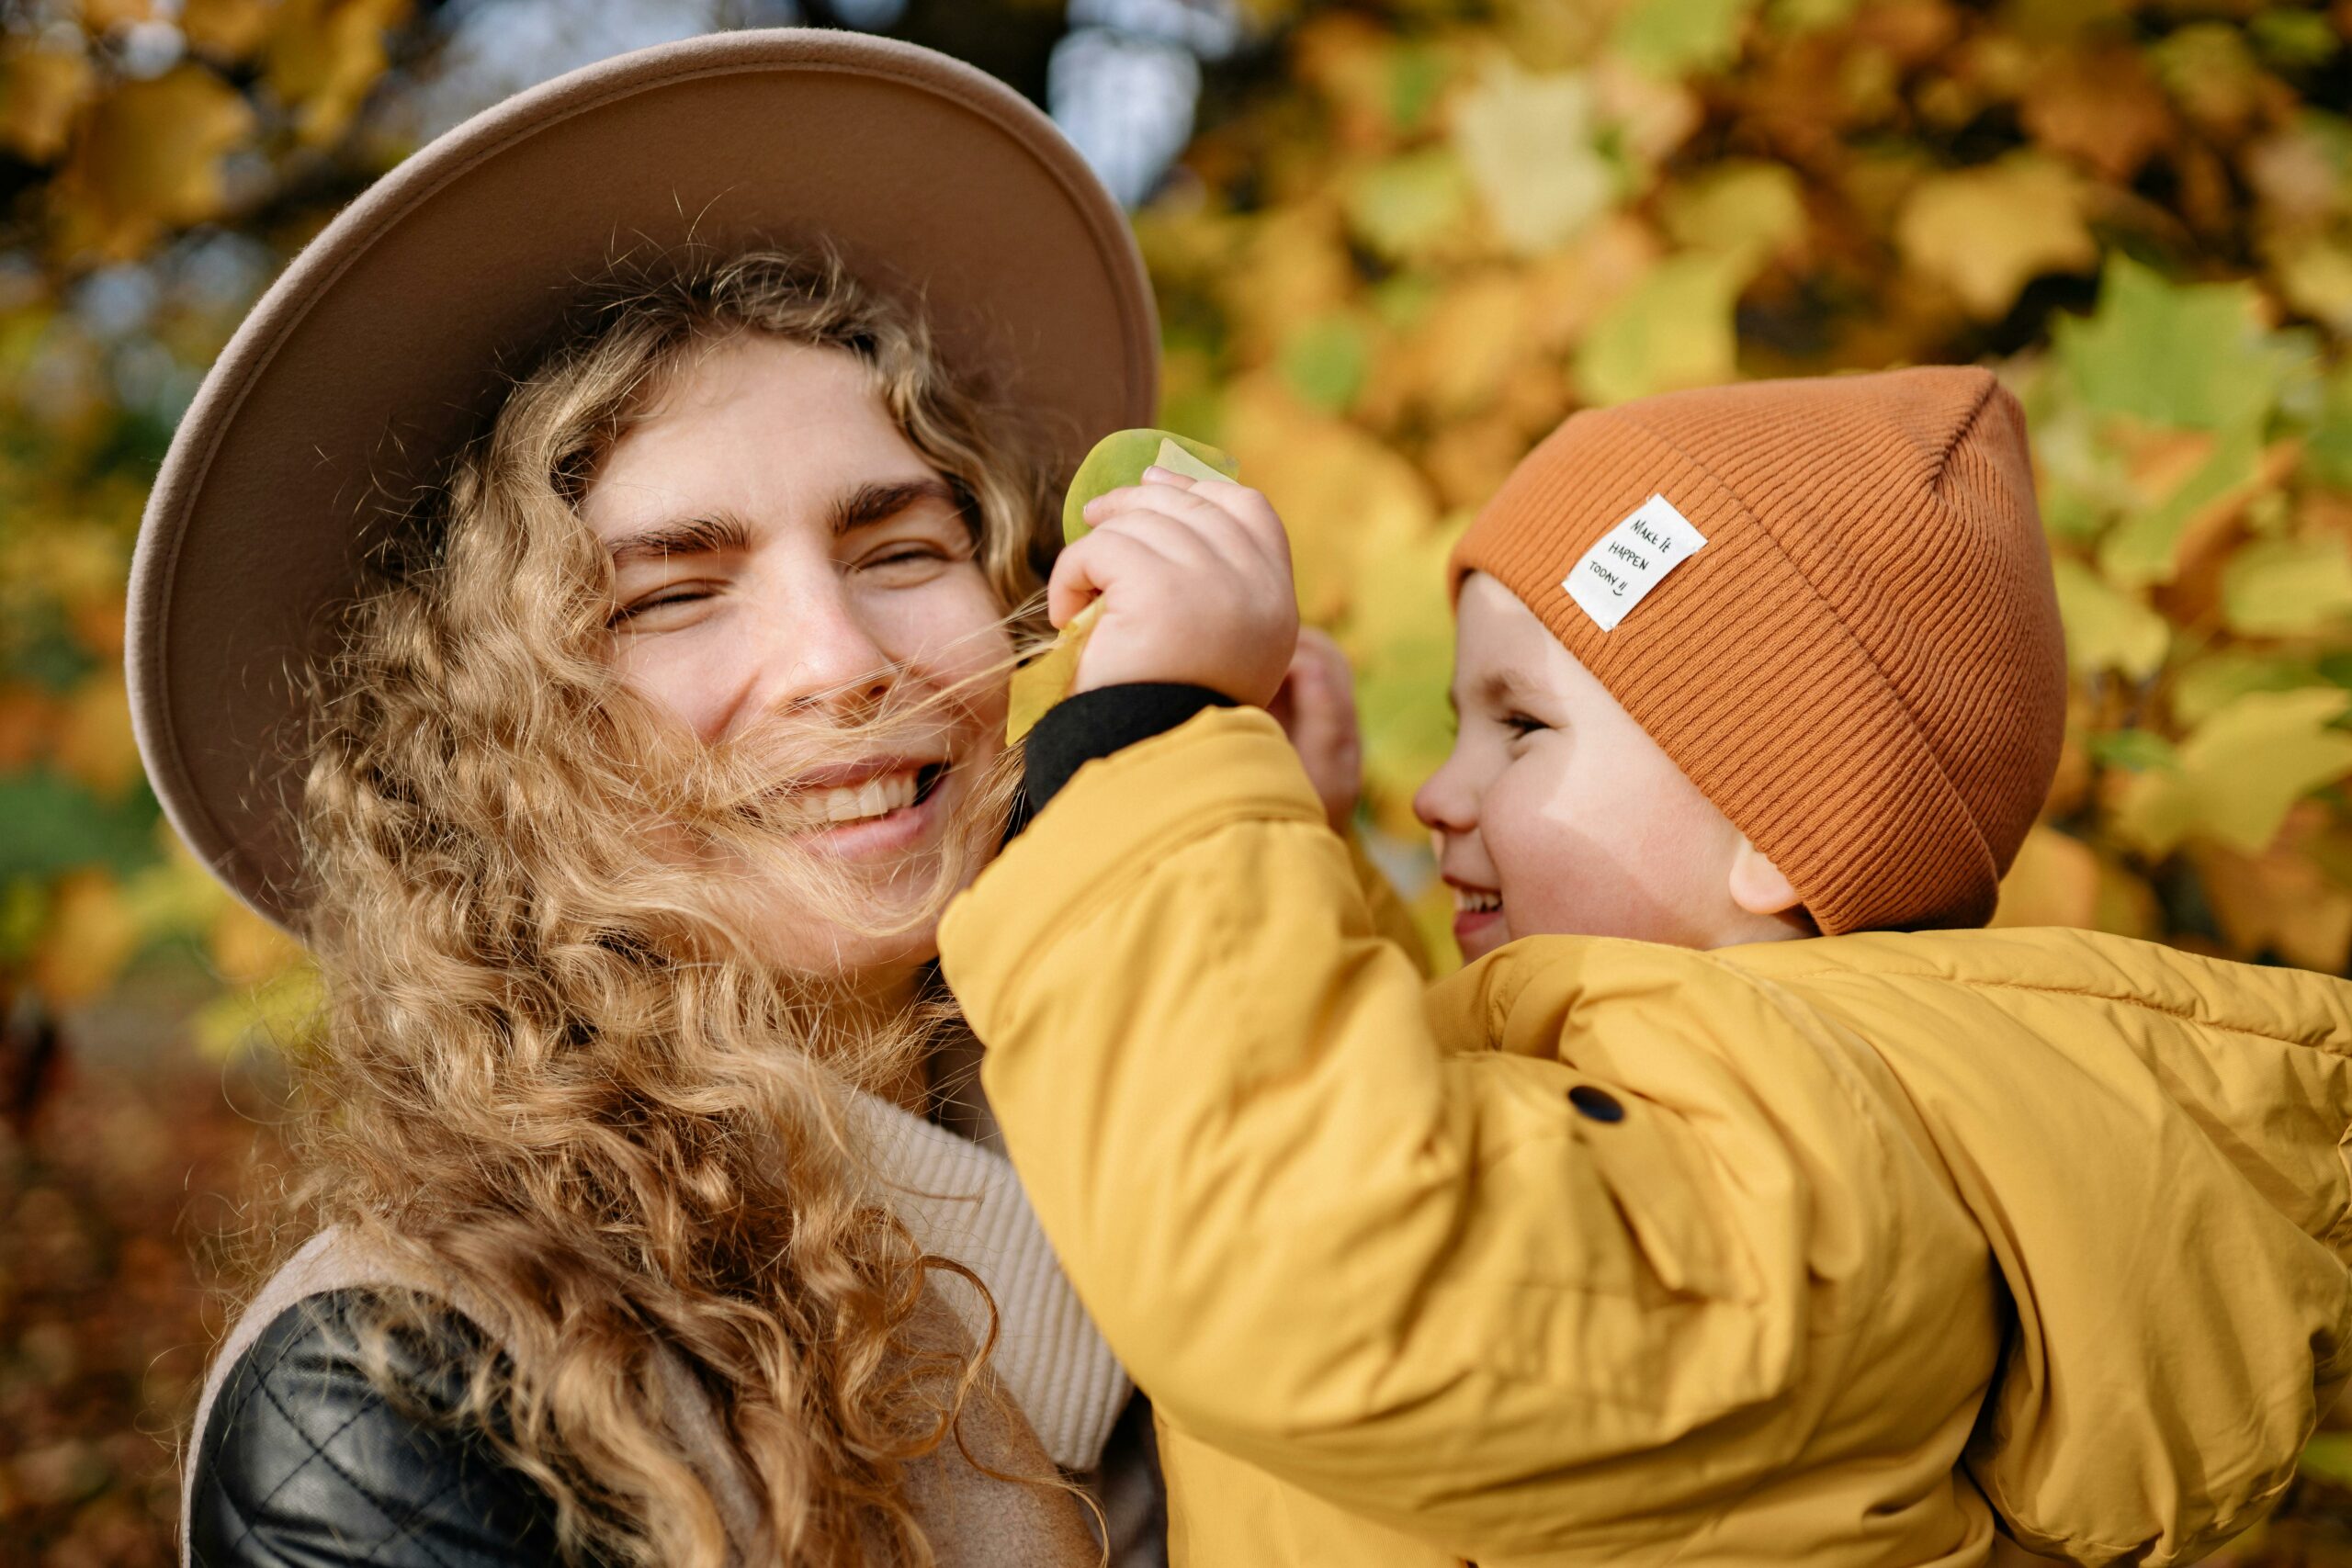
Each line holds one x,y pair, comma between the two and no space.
1521,724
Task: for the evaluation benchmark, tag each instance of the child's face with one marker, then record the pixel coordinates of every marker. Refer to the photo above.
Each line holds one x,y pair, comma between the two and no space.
1558,814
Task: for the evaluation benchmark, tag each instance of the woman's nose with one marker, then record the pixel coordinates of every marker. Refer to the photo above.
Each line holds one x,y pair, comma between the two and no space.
816,650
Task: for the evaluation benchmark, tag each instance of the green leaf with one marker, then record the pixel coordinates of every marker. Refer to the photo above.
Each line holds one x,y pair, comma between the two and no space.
2134,751
1405,204
2145,547
2106,629
2286,587
1673,329
50,824
2193,355
1325,362
2240,772
1679,38
2217,679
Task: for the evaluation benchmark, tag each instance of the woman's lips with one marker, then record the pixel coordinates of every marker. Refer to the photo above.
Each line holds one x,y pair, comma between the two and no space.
891,833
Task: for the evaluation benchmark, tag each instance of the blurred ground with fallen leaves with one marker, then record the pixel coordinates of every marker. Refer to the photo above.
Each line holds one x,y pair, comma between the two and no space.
1410,235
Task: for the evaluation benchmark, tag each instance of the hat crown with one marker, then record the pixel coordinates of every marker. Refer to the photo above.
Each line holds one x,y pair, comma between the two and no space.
1864,668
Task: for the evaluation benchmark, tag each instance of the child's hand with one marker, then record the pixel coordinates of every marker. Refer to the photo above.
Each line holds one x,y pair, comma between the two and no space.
1195,583
1317,707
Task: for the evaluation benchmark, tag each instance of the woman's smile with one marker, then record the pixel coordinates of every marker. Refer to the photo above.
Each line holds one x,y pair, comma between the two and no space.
887,812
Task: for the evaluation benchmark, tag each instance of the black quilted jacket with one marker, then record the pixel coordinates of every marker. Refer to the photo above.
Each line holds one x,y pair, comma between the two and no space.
304,1464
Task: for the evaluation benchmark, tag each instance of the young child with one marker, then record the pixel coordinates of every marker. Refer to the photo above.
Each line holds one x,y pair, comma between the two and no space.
1732,1242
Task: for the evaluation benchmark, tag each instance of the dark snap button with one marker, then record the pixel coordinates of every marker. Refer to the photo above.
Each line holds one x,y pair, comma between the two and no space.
1597,1103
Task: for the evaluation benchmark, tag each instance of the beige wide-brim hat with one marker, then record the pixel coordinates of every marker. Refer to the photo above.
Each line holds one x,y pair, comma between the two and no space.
383,345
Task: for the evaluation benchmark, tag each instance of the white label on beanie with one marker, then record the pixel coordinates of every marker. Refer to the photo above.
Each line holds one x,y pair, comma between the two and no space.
1631,560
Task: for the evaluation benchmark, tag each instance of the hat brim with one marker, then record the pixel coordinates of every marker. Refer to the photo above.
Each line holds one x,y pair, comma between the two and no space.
386,337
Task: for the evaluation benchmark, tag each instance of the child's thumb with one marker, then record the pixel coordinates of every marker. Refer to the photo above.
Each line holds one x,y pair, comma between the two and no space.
1074,584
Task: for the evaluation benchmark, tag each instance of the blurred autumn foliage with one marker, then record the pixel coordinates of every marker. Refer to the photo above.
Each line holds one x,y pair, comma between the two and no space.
1410,236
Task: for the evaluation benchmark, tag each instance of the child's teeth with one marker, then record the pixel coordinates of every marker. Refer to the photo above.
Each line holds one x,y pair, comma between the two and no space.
874,797
1466,902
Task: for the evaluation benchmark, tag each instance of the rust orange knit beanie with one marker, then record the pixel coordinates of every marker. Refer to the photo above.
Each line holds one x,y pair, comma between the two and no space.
1829,602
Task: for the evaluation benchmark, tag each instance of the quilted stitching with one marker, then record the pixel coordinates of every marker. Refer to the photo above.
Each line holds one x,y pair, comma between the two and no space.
305,1464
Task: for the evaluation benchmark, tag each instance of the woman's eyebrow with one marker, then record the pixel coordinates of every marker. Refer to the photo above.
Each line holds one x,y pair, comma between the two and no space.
878,501
685,536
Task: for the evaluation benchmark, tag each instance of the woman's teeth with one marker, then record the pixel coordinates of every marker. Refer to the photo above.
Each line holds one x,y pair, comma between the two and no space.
1466,902
876,796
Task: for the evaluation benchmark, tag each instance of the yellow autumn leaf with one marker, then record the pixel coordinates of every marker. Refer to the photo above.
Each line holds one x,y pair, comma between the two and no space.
2053,882
1334,484
247,950
2106,628
1986,233
40,92
92,740
2286,587
225,30
284,1013
1671,330
1410,206
1752,209
2278,902
148,161
325,55
2240,774
1047,679
1527,142
89,935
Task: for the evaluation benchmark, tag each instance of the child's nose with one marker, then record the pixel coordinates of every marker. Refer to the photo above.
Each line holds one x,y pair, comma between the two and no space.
1442,806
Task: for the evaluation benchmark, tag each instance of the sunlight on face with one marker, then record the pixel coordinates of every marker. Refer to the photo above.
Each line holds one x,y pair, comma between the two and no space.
779,548
1557,813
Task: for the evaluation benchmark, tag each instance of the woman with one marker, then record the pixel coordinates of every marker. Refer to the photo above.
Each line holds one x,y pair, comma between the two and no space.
644,705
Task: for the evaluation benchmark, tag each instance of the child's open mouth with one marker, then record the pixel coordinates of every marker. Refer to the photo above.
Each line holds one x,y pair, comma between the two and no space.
1477,911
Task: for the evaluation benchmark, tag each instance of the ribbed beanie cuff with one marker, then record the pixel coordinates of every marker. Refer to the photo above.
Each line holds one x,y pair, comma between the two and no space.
1862,669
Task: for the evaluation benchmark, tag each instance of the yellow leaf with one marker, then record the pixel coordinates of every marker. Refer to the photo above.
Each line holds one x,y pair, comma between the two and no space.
149,162
1526,141
2053,882
284,1014
1045,680
93,740
2106,629
2315,274
1752,209
1986,233
248,950
40,90
225,30
2286,587
1672,330
2240,772
91,935
2278,902
325,55
1335,485
1409,206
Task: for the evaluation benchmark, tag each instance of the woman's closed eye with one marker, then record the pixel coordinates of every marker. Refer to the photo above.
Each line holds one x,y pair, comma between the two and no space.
657,608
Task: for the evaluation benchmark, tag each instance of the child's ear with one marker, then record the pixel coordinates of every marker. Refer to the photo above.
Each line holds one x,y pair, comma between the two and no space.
1757,886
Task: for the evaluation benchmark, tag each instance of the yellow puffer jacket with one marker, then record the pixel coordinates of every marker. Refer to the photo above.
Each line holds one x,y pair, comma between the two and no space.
1894,1234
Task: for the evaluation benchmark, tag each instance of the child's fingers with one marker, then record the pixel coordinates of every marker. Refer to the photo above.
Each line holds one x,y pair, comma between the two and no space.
1246,544
1088,568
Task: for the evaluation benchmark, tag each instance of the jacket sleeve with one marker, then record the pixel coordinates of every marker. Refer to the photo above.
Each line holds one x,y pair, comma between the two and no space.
1478,1294
304,1462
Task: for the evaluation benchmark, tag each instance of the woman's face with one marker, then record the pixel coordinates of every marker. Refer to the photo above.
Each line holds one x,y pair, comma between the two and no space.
781,550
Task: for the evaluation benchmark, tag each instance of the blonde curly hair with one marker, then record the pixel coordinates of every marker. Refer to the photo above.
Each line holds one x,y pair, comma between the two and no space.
552,1073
